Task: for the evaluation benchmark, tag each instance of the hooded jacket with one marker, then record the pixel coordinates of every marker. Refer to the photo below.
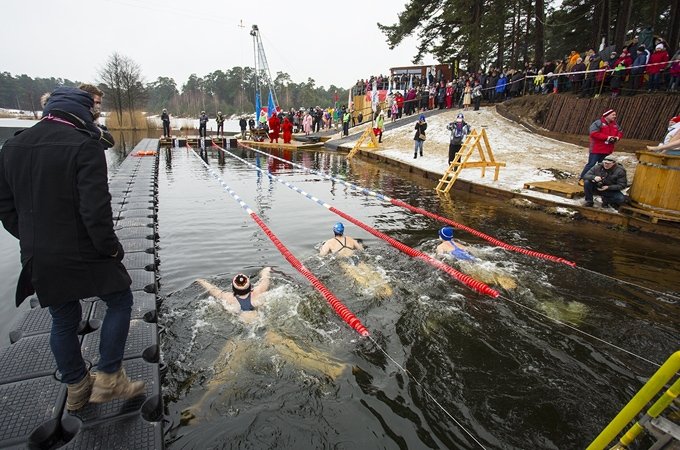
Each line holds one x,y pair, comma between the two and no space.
54,198
600,130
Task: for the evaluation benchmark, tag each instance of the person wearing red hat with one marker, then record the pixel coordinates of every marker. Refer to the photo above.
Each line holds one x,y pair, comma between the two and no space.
604,133
671,142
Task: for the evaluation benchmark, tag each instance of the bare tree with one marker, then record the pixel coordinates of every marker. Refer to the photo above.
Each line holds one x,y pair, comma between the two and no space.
122,83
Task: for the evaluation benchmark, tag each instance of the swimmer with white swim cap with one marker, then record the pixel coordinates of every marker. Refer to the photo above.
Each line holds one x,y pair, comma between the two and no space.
243,298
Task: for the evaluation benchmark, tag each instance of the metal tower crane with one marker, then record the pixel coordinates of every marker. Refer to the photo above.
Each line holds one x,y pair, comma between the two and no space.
261,63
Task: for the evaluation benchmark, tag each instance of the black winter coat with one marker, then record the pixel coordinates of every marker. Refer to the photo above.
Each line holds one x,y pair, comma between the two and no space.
54,198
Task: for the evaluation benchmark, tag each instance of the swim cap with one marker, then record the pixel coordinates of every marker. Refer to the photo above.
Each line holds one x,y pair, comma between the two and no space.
446,233
339,228
422,117
240,285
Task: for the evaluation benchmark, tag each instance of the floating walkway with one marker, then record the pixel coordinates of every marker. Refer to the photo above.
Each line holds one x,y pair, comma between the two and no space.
31,394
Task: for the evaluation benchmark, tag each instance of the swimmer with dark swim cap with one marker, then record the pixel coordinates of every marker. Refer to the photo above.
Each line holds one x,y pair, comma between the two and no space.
243,297
340,244
448,247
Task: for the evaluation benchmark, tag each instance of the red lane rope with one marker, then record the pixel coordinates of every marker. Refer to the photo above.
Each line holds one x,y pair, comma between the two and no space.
486,237
336,304
465,279
332,300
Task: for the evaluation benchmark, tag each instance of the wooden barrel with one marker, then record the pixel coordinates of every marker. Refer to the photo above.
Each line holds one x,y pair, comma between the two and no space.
656,185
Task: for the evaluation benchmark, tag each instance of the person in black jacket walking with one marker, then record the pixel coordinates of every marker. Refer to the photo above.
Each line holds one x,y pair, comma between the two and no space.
419,137
54,198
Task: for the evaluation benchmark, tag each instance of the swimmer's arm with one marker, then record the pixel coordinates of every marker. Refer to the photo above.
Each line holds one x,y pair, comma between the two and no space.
325,249
262,286
227,299
357,245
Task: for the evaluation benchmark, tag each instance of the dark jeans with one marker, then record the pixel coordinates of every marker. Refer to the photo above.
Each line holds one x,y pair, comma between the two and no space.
166,129
345,128
66,345
476,101
614,198
593,158
453,149
201,130
220,127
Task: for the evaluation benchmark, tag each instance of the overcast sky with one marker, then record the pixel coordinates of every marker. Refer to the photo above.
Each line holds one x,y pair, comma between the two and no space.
333,42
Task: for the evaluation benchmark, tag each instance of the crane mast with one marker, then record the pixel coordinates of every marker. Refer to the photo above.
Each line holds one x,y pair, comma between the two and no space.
261,63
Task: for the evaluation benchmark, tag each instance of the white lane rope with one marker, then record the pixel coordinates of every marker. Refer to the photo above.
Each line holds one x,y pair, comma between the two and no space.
585,333
412,377
677,297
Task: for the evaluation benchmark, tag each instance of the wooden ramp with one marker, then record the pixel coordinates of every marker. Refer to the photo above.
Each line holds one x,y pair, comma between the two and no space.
556,187
372,143
473,141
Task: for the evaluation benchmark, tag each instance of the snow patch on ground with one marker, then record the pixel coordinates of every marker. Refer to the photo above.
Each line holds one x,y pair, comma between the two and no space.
529,157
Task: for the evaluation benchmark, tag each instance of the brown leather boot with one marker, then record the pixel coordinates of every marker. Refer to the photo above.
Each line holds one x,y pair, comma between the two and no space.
79,393
111,386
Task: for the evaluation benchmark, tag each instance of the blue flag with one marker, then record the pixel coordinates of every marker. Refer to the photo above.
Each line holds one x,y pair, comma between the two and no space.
271,108
258,106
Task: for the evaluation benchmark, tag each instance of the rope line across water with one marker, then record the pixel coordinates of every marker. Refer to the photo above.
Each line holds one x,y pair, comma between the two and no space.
463,278
336,304
411,376
402,204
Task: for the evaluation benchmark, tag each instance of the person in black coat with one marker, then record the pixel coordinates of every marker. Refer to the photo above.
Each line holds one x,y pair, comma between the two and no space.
54,198
165,118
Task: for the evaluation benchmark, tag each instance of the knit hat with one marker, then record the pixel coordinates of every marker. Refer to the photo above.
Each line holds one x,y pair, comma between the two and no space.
675,119
659,47
240,285
608,112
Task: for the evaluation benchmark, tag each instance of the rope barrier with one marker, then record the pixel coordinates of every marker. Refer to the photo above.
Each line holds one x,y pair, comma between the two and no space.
630,283
463,278
337,306
407,372
424,212
571,327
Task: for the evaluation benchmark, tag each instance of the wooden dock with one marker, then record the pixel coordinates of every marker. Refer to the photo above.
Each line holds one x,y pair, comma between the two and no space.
556,187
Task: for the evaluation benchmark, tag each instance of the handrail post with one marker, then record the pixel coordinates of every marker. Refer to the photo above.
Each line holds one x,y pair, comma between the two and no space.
635,405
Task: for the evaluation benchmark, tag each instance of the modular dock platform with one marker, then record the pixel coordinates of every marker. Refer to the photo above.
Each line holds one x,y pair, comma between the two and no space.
31,394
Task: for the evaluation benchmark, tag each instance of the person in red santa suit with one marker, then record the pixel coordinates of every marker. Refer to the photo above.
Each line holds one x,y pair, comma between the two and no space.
287,130
274,128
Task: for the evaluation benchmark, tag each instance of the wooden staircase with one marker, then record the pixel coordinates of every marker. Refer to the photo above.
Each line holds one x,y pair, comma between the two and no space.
367,134
473,141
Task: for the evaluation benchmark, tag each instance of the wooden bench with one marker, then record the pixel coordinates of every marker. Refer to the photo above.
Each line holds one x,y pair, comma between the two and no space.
556,187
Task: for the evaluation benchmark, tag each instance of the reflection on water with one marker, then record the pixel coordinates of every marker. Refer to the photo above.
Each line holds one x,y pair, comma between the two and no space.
301,378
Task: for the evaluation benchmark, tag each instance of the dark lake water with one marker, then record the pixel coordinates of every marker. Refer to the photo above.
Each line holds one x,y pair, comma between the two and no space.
442,359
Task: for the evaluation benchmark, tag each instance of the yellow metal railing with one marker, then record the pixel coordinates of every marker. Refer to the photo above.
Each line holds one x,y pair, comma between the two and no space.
639,401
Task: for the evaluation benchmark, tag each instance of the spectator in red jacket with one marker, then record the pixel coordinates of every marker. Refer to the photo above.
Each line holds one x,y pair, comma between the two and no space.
655,65
604,133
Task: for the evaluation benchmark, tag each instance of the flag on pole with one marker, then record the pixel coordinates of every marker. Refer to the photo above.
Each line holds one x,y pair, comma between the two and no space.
258,106
410,82
271,107
374,96
349,98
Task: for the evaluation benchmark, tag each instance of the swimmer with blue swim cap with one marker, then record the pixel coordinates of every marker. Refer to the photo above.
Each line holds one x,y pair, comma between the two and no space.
340,244
448,247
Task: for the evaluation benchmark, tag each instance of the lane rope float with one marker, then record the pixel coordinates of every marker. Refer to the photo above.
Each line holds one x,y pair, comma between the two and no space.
336,304
467,280
424,212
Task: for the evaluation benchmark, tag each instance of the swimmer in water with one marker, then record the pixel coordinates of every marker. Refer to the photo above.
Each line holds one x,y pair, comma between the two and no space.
480,272
243,298
366,276
340,244
448,247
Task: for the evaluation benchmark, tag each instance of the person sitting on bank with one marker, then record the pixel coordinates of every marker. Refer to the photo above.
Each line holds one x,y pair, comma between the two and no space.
243,298
340,244
608,179
671,142
448,247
